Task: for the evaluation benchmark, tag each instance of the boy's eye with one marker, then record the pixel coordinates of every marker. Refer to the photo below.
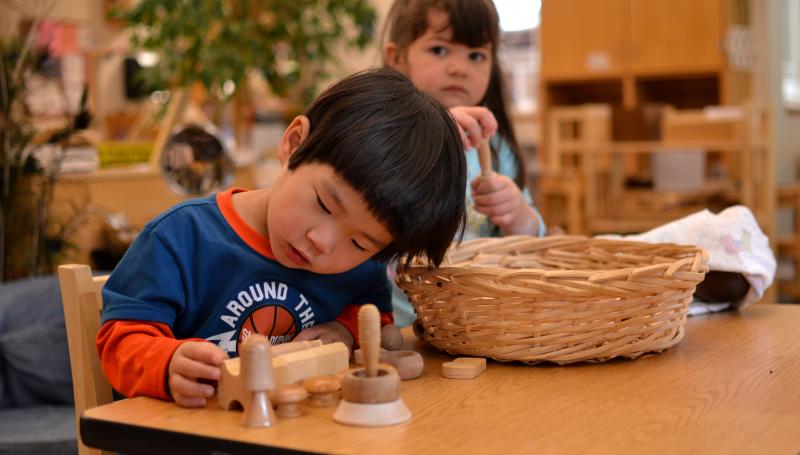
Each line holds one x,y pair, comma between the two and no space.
359,247
438,50
477,56
322,205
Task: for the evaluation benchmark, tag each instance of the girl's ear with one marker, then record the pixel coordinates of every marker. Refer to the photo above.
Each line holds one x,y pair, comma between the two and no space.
394,58
295,134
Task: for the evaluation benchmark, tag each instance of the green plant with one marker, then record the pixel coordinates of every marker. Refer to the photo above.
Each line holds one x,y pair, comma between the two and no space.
217,42
31,240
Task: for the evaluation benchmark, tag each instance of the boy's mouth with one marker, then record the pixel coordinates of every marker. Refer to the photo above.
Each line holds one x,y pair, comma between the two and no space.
297,256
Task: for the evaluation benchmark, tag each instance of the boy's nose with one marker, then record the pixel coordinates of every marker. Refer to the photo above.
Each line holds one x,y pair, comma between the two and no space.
322,239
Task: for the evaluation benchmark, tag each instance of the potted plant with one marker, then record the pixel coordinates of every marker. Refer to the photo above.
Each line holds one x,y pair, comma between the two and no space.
217,43
31,238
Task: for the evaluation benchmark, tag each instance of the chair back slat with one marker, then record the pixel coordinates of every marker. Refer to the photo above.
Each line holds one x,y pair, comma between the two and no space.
81,296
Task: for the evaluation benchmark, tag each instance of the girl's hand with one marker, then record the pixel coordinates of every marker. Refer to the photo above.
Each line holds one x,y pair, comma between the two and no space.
474,123
193,363
499,198
329,332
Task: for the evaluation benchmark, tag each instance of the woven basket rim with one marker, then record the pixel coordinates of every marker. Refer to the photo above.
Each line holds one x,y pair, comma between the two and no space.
421,265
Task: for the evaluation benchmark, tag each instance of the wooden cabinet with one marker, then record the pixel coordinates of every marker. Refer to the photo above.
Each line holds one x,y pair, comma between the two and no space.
636,57
675,36
634,52
582,39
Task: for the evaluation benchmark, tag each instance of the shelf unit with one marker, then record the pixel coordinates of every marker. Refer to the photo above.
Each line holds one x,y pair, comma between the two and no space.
636,57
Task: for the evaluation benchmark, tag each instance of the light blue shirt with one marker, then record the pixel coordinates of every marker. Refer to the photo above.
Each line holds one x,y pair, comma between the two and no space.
478,224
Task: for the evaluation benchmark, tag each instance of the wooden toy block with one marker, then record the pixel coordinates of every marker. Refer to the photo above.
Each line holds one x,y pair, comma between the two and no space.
294,346
464,368
296,366
286,369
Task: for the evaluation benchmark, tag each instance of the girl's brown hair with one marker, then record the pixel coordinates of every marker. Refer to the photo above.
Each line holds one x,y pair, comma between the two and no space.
474,23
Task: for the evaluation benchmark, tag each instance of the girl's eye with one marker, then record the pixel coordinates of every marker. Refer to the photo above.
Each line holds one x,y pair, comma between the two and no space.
322,205
438,50
477,56
359,247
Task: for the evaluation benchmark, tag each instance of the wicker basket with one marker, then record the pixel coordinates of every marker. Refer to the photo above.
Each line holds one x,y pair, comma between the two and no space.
561,299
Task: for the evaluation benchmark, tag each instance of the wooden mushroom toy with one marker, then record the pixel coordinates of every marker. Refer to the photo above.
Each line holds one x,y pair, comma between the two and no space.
257,377
371,395
288,398
323,390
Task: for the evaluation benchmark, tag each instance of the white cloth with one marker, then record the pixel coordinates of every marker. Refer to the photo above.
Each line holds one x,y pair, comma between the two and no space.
734,242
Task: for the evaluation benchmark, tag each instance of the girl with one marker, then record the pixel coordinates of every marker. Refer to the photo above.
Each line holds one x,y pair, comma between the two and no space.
448,48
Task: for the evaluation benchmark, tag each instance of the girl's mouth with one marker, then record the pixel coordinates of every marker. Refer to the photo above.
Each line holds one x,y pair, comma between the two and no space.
455,89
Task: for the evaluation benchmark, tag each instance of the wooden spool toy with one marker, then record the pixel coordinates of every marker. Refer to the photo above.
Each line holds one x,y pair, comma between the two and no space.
288,398
323,390
371,395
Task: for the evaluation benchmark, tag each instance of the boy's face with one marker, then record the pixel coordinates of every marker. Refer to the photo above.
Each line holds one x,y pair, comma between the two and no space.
319,223
454,74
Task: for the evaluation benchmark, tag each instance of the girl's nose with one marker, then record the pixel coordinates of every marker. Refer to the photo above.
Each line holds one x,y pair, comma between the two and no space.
455,67
322,239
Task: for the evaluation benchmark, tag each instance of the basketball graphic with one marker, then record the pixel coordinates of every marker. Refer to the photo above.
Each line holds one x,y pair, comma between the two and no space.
273,321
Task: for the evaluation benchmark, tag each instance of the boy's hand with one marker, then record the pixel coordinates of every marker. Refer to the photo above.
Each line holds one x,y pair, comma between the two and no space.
474,123
499,198
192,363
329,332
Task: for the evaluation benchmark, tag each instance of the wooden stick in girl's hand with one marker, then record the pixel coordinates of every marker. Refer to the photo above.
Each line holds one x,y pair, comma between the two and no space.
485,158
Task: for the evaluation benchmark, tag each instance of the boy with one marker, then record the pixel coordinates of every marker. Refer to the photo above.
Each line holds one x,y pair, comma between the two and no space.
373,170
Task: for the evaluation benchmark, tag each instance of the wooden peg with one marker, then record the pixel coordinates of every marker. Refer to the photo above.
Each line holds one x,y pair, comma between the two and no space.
323,390
464,368
485,158
369,336
288,398
257,377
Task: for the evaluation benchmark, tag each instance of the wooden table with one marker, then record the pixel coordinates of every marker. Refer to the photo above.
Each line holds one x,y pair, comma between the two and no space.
731,386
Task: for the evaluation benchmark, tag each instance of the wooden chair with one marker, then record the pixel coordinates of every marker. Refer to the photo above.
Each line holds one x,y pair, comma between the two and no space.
82,301
570,128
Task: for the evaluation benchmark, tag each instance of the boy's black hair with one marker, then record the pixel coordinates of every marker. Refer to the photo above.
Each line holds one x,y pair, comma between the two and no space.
474,23
401,150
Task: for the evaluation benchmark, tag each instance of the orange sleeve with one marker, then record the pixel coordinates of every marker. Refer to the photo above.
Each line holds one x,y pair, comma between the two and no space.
135,356
349,318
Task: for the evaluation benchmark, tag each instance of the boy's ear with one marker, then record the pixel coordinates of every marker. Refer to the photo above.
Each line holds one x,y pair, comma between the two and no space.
295,134
394,58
